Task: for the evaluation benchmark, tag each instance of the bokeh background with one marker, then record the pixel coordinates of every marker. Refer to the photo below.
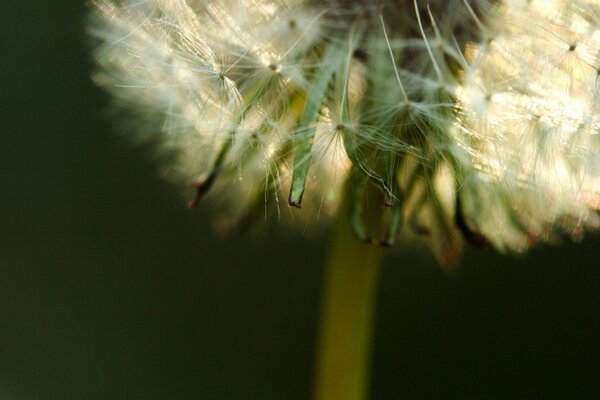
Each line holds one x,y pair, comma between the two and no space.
111,289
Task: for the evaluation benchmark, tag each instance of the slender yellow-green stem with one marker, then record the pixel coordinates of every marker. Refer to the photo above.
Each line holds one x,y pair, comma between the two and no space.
346,331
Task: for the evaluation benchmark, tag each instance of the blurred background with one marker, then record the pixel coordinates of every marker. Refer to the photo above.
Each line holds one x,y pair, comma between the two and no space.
111,289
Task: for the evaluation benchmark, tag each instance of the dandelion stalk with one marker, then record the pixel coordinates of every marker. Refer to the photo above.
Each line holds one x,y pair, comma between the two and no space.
348,308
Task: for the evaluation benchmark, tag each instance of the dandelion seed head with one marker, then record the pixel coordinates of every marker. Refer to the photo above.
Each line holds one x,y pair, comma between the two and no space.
471,120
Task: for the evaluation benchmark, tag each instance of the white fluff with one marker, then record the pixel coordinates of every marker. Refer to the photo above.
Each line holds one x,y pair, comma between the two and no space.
472,117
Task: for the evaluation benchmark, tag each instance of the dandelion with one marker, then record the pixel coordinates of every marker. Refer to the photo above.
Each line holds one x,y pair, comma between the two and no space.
461,120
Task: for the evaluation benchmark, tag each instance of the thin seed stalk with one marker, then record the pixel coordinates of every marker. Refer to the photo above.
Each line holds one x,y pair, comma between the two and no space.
347,319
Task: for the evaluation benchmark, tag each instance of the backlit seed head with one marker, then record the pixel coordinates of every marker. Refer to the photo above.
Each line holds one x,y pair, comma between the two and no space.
463,119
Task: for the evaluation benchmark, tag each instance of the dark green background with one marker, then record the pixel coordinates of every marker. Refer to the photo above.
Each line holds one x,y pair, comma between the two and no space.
111,289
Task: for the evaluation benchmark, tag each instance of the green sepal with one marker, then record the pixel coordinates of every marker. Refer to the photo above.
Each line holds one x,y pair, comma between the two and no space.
333,60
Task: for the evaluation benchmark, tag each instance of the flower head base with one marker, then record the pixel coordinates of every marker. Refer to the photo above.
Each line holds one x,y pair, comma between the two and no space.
470,118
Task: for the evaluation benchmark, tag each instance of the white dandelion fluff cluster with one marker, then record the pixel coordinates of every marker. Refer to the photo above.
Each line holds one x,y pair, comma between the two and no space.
467,119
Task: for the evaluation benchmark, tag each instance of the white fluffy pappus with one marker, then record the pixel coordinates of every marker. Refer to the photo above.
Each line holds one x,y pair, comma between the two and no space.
467,119
529,103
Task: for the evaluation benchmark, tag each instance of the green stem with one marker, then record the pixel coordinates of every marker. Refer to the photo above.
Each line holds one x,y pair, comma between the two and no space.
347,318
